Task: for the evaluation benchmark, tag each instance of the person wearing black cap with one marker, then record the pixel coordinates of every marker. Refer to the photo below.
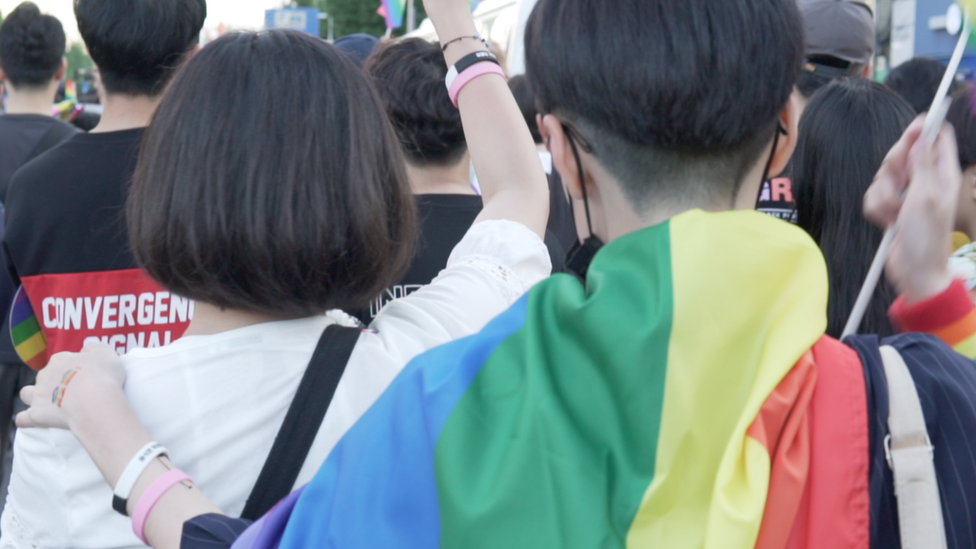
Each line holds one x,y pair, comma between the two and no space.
840,37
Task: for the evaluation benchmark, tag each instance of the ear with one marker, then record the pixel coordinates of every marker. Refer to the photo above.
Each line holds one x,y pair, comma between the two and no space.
789,117
542,130
868,71
62,70
563,159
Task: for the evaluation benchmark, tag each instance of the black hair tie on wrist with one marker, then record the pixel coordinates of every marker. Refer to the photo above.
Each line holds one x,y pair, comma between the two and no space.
475,37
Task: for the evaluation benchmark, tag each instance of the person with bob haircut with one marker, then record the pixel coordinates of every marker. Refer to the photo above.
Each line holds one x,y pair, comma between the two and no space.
845,132
272,237
684,395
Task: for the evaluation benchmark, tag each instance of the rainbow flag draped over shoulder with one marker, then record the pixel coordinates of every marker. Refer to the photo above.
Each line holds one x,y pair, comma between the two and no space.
626,414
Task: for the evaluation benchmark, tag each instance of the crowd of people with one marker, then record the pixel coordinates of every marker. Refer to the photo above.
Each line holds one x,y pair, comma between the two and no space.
290,293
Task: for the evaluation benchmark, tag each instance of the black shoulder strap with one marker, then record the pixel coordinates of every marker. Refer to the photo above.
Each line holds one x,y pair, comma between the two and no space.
302,421
53,136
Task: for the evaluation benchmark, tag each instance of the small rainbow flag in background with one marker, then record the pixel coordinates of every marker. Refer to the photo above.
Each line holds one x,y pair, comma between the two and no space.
394,11
25,332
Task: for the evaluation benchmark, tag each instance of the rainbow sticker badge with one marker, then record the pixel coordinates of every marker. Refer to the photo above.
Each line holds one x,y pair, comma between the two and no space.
25,332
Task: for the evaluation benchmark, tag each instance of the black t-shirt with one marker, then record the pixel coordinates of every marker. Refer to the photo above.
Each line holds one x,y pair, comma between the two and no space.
444,220
67,243
776,197
19,135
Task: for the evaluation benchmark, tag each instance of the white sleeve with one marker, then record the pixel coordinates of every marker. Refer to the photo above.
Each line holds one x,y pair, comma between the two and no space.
493,266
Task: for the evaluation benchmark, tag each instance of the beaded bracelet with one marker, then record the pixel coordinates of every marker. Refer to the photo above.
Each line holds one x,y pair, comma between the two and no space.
475,37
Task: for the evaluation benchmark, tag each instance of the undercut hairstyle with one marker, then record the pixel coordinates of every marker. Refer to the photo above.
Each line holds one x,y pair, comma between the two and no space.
821,70
917,81
251,197
31,47
962,116
138,44
845,133
526,103
409,77
691,113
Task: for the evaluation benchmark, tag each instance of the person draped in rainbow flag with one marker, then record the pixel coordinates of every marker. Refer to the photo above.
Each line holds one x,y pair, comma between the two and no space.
684,395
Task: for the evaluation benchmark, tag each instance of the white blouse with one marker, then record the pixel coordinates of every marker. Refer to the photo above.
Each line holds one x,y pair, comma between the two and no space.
217,401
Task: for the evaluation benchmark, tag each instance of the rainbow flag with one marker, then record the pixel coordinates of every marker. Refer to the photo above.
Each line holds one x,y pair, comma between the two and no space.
25,332
634,412
394,11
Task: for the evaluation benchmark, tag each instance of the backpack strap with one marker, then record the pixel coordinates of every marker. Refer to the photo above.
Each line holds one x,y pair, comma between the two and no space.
302,422
52,137
909,453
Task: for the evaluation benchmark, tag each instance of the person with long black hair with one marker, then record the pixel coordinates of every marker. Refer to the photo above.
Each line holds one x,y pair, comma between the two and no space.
846,131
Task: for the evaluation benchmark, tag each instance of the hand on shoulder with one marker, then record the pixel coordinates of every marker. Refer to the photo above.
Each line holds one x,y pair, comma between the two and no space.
70,385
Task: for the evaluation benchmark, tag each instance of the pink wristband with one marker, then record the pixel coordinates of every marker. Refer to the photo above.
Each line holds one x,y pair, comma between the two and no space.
472,72
151,496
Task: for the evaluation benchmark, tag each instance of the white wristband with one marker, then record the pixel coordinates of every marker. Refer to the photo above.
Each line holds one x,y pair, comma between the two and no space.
132,472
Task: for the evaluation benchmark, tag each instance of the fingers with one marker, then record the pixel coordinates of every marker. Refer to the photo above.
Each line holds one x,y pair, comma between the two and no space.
948,162
23,420
897,157
27,394
884,199
100,349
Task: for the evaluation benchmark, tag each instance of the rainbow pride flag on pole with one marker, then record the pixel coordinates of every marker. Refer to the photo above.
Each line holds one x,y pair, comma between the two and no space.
634,412
394,11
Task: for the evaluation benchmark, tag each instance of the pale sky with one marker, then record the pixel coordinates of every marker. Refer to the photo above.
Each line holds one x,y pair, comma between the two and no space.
243,14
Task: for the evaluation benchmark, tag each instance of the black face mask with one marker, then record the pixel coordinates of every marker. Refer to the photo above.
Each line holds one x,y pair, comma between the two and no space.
579,258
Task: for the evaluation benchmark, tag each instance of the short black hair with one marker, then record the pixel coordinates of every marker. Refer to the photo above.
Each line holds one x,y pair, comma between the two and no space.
820,70
252,197
31,46
917,81
138,44
526,103
409,76
962,116
676,97
845,133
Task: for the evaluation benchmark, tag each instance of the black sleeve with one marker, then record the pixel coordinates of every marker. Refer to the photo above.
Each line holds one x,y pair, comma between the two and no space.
212,532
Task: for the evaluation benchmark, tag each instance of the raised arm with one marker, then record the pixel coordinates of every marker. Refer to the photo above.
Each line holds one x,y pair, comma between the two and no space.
513,184
918,186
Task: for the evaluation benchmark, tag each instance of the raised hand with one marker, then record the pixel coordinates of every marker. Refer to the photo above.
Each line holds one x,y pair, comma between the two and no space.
918,185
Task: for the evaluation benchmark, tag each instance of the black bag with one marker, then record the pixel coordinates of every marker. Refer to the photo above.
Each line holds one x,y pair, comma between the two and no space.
302,422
